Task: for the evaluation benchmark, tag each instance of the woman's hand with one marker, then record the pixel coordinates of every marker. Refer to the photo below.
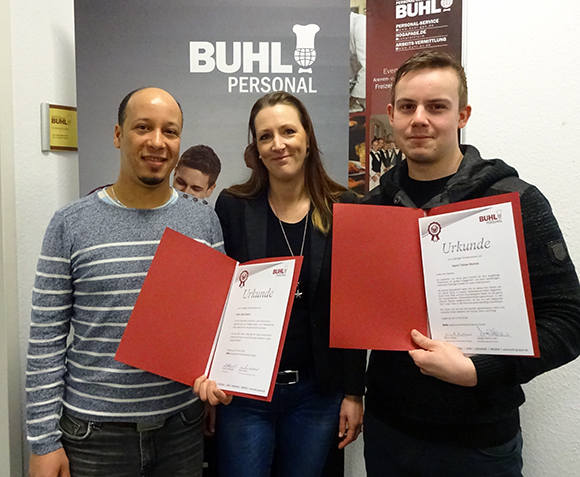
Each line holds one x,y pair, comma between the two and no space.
351,419
208,391
210,416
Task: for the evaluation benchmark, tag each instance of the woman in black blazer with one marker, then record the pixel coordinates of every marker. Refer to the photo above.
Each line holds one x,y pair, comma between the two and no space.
285,209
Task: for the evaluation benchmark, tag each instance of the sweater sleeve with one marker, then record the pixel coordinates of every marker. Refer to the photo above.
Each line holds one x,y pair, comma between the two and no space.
555,295
52,305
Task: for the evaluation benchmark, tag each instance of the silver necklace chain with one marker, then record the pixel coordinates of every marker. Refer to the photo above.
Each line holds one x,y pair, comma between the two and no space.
117,201
288,242
298,293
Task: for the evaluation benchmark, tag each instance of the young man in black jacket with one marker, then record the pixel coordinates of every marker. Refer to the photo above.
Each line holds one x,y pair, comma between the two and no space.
435,411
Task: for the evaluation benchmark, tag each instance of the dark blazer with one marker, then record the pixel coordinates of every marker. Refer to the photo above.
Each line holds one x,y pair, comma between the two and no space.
244,224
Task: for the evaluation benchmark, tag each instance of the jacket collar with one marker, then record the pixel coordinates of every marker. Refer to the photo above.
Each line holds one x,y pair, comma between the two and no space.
474,176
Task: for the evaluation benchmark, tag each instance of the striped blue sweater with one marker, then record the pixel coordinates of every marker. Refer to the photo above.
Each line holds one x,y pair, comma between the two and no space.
94,258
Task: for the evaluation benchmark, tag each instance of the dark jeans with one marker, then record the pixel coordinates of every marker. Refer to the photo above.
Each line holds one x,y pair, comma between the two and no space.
391,453
108,449
299,425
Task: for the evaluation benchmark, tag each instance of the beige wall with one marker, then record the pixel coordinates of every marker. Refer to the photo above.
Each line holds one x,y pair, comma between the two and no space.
360,4
10,381
36,65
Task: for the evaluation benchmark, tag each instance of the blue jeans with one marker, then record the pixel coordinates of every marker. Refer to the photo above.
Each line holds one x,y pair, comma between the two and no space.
108,449
389,452
299,425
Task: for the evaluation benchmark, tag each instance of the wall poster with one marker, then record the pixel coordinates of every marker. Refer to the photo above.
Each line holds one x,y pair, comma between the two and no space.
216,58
395,30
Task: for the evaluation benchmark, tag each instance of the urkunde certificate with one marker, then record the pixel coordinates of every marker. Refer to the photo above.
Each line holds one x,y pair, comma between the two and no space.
473,281
201,312
252,325
457,272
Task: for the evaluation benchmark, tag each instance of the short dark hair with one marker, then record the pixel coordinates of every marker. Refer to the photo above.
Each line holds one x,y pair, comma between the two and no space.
204,159
122,112
433,60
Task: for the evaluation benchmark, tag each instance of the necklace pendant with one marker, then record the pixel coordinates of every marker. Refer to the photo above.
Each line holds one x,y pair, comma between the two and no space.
298,293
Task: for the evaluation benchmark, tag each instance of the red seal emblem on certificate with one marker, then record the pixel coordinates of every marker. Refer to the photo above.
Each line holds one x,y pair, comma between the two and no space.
434,230
243,277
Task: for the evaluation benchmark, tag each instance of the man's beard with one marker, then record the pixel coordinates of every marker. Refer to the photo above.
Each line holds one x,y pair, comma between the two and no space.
151,180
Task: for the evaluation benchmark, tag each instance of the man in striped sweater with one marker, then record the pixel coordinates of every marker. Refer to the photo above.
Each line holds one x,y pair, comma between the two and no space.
87,413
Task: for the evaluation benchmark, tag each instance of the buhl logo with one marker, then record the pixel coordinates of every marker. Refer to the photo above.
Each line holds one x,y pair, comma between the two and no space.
279,272
420,8
491,218
262,57
59,120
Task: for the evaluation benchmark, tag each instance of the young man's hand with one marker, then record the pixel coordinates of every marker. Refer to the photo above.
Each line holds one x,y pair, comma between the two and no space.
443,361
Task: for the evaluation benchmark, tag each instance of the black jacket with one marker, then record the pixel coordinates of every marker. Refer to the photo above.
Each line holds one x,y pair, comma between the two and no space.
487,414
244,224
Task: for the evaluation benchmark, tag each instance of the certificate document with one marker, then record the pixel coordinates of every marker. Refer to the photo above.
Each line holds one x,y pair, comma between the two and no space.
252,324
457,273
473,281
201,312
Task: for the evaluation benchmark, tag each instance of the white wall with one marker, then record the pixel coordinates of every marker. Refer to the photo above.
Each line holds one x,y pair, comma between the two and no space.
10,396
41,46
523,63
522,67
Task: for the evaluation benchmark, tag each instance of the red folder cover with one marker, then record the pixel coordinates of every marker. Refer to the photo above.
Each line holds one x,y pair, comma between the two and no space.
378,292
174,323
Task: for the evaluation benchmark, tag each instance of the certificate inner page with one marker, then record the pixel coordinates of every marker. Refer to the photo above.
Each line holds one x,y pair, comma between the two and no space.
473,281
253,322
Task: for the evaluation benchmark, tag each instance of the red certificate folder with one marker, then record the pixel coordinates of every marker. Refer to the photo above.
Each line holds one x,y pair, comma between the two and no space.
173,325
378,292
